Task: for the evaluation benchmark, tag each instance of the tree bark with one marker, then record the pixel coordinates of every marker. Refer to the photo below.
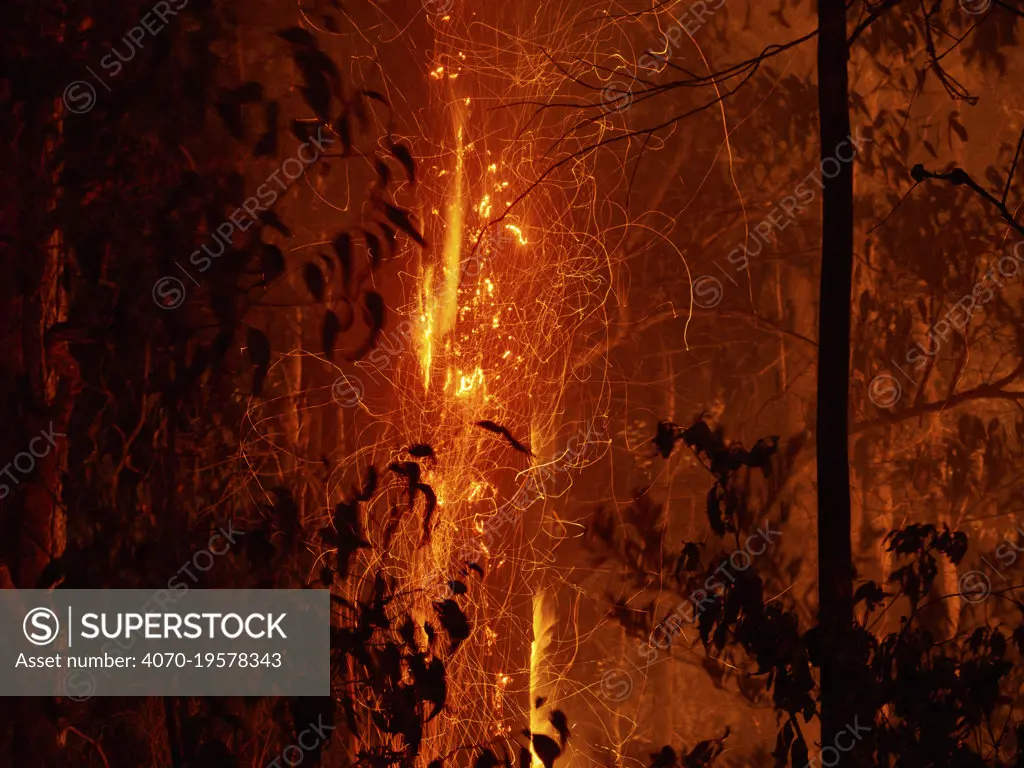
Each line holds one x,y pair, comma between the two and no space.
835,571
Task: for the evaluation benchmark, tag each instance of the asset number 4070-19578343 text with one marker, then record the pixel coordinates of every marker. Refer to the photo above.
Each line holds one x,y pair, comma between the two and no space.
212,660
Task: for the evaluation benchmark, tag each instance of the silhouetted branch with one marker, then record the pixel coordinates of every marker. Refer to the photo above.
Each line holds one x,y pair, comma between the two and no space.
958,176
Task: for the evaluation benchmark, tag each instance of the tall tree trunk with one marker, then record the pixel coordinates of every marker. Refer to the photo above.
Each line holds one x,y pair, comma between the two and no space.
835,572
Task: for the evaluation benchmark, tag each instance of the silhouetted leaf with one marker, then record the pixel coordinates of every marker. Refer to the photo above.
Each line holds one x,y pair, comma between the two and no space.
343,250
428,514
401,219
800,753
298,36
343,127
702,755
271,219
497,429
665,438
383,172
317,94
376,97
561,724
304,130
314,279
994,178
454,622
316,65
546,749
271,262
230,112
373,249
329,334
431,685
369,486
487,759
404,156
956,127
346,534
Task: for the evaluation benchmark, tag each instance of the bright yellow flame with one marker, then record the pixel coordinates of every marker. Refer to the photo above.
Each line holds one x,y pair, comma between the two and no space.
439,306
540,652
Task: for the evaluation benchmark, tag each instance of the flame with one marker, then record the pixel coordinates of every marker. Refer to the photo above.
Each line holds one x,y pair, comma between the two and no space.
505,302
541,677
439,295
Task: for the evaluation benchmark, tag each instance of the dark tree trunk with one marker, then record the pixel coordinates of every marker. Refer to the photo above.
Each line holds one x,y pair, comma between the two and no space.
835,571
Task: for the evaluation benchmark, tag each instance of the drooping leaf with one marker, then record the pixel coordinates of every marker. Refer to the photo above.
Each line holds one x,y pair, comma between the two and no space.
454,622
404,156
546,749
402,219
329,334
271,219
383,172
428,514
373,249
230,112
271,262
561,724
704,754
298,36
487,759
343,250
376,97
315,64
314,279
303,130
431,683
317,94
957,128
994,178
342,126
665,438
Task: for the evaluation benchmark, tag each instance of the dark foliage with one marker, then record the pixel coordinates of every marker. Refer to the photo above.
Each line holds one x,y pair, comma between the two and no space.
927,700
